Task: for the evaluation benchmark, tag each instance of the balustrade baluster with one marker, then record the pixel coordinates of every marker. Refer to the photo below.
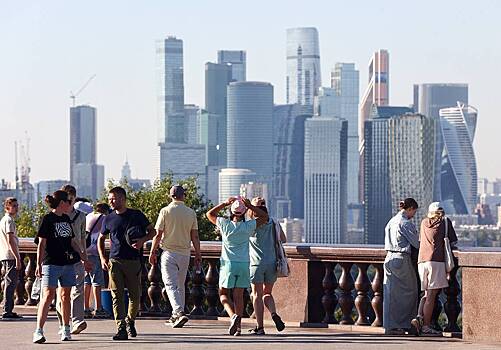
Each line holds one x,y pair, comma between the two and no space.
187,295
197,293
377,300
143,307
452,306
154,290
30,278
329,299
20,290
212,292
247,303
346,285
362,301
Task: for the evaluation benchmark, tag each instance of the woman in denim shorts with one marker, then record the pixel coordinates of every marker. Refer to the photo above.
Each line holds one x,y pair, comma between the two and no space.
234,270
57,253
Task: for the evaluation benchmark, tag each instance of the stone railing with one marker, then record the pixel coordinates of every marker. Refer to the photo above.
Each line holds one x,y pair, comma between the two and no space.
327,285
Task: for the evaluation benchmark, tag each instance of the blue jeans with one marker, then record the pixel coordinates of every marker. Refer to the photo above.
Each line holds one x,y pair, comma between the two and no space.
96,276
52,274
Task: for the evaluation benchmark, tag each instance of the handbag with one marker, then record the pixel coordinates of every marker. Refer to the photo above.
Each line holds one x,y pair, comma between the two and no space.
283,269
449,256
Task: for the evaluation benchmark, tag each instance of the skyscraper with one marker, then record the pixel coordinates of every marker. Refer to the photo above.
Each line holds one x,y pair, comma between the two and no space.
230,181
399,162
250,129
288,160
428,100
237,60
191,115
303,65
325,172
85,174
459,167
345,82
170,82
377,93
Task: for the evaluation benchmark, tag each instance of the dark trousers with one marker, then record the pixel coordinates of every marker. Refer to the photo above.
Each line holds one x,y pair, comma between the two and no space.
10,284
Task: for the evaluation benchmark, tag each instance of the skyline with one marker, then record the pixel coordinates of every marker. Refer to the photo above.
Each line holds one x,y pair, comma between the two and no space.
39,68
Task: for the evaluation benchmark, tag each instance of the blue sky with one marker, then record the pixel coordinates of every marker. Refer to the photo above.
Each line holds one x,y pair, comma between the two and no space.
51,47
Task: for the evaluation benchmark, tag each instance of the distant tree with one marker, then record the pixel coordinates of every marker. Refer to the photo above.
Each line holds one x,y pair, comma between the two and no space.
28,219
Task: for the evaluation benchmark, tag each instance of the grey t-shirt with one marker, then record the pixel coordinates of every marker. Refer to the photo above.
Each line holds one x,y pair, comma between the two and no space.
262,245
78,224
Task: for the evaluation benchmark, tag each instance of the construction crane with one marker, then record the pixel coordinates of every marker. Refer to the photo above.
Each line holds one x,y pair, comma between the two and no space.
74,96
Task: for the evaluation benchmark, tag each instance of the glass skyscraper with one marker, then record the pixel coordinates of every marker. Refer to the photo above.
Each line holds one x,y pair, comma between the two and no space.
459,166
428,100
237,60
170,85
303,65
325,172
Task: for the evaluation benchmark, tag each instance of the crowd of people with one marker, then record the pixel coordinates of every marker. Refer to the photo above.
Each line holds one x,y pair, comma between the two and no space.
71,258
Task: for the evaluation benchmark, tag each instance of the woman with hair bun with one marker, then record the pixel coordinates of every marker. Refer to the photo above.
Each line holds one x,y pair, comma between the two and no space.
57,253
400,283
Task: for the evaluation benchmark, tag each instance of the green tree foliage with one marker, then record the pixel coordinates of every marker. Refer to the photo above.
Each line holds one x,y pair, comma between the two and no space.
28,219
151,200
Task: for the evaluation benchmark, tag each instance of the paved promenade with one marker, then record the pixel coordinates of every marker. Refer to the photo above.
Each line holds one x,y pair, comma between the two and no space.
198,334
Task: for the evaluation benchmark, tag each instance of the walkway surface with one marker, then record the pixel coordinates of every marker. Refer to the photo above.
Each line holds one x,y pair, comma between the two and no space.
202,334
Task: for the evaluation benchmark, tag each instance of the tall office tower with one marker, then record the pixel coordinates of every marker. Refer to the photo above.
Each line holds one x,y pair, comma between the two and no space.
428,100
43,188
170,85
325,172
237,60
288,160
255,189
191,115
303,65
459,167
293,229
377,93
250,128
230,181
399,162
217,78
345,82
327,103
85,174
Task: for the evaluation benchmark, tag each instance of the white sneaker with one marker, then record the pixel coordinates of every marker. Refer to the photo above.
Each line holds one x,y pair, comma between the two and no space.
428,331
234,323
38,337
66,334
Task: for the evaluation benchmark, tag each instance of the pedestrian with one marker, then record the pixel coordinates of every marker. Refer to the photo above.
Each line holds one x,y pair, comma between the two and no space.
57,254
263,269
400,283
128,229
9,255
94,279
77,219
432,272
177,229
234,270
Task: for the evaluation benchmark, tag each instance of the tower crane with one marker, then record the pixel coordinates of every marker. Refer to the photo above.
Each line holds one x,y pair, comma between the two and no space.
74,96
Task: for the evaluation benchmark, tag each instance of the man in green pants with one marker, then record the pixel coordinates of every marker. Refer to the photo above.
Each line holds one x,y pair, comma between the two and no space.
129,229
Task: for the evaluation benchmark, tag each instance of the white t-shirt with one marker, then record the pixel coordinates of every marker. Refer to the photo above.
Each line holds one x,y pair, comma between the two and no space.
7,227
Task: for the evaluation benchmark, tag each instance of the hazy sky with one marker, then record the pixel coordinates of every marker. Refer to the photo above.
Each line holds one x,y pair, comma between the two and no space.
51,47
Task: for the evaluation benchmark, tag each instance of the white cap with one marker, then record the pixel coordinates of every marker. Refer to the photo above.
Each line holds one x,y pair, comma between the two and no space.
434,207
84,207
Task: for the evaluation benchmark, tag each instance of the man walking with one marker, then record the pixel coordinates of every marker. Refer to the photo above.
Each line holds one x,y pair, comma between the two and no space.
128,229
176,229
9,255
78,224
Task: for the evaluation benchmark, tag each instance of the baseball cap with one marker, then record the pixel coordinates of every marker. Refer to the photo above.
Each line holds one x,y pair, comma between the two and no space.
238,207
434,207
176,191
84,207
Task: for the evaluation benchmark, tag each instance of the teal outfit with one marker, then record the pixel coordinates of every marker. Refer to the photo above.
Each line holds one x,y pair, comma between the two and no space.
234,270
263,260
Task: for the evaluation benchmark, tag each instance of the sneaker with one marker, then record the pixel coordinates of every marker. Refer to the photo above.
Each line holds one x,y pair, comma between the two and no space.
101,314
121,334
88,313
278,322
79,328
11,316
131,328
66,334
234,322
238,332
428,331
38,337
257,331
417,323
180,320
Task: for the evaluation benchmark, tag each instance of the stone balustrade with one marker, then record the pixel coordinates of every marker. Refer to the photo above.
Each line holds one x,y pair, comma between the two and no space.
327,285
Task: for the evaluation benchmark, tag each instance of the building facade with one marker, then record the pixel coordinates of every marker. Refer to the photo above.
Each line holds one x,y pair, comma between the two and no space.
325,176
237,59
230,181
303,65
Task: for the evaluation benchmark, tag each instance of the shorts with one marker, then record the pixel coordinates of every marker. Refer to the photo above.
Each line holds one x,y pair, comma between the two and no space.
432,275
52,274
234,275
96,276
263,273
